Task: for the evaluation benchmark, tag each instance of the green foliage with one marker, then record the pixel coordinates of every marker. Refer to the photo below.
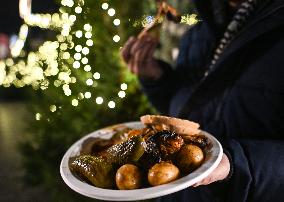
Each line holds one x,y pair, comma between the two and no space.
48,138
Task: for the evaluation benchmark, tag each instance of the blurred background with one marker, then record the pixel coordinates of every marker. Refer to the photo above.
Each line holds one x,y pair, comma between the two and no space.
61,77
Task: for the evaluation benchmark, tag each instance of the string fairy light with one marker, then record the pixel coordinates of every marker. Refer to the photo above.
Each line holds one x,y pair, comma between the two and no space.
99,100
57,56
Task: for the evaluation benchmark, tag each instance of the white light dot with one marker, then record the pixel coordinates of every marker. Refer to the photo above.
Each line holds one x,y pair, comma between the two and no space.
89,42
116,22
104,6
97,75
70,3
116,38
89,82
111,104
52,108
66,55
67,92
88,95
78,48
111,12
78,9
85,51
38,116
87,27
76,64
87,68
72,18
66,26
88,35
123,86
84,60
121,94
75,102
77,56
79,34
99,100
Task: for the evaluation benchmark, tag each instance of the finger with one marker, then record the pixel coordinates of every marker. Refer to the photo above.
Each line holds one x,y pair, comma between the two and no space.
140,43
138,59
142,56
130,65
150,53
136,63
125,51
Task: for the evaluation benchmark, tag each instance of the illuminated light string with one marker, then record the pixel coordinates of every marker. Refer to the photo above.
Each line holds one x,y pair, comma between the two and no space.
52,52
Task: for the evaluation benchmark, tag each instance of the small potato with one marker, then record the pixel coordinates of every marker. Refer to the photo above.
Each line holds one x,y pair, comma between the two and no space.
189,158
128,176
162,173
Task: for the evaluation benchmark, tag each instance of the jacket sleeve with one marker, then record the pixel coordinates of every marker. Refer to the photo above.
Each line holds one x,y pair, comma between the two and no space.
258,168
160,92
189,68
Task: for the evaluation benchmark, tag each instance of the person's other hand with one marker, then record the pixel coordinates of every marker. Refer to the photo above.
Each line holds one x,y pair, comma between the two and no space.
220,172
138,55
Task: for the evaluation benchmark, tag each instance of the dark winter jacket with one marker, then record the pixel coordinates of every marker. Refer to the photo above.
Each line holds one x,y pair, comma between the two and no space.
241,102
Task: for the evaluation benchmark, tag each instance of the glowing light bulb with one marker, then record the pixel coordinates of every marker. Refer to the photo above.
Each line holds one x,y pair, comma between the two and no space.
72,18
78,48
88,95
52,108
97,75
77,56
89,42
67,92
88,35
87,68
89,82
123,86
121,94
78,9
116,38
79,34
111,12
111,104
104,6
38,116
76,64
66,55
99,100
75,102
85,51
84,60
116,22
87,27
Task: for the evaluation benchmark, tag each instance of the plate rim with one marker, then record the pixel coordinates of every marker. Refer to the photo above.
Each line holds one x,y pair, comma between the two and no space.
131,195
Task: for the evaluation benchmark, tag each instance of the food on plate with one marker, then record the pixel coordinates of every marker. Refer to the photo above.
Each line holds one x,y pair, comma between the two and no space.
160,146
162,173
129,151
95,170
166,149
128,176
179,126
189,158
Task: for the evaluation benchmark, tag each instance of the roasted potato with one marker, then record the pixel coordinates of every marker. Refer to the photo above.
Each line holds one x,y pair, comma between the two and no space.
189,158
162,173
128,176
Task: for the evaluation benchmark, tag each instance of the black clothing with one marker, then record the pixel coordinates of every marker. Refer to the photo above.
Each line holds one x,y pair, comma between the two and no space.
241,102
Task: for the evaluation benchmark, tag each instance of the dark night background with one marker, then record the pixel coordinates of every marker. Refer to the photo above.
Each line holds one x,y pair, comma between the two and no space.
12,112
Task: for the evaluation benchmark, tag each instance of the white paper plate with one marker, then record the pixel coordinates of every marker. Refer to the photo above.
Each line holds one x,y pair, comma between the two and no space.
213,158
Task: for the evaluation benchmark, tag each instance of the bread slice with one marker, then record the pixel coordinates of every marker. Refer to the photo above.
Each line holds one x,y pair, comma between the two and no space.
179,126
